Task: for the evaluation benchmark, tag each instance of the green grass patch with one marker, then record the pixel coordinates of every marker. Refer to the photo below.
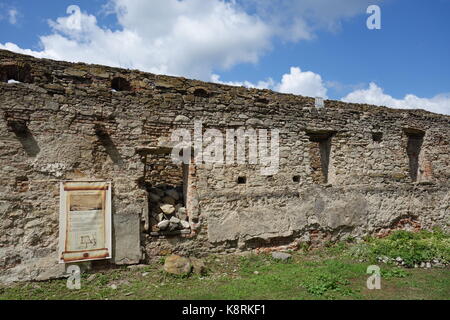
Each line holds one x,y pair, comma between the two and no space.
326,282
334,272
413,247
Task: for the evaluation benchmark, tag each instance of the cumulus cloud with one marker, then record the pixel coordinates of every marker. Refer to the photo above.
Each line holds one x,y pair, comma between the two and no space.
188,38
375,95
12,16
305,83
192,38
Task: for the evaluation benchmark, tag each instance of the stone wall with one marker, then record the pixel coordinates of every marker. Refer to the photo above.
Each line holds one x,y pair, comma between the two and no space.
345,170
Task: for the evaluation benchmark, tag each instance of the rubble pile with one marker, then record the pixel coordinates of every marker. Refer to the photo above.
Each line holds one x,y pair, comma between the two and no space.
167,209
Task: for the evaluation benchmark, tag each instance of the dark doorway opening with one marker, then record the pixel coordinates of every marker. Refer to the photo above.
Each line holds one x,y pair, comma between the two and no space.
320,150
414,146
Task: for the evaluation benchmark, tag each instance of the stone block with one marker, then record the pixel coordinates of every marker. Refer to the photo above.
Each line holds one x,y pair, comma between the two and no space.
126,239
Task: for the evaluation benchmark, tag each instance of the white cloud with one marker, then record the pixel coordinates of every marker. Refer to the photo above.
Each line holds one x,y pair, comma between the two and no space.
296,20
375,95
192,38
9,13
195,38
305,83
12,16
311,84
263,84
188,38
15,48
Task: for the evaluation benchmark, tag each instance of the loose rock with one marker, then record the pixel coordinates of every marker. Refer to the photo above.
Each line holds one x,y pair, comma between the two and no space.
185,224
175,220
163,225
199,267
175,264
167,209
281,256
181,213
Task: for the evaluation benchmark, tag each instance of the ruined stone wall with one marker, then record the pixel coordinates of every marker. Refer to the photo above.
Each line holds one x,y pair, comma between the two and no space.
345,170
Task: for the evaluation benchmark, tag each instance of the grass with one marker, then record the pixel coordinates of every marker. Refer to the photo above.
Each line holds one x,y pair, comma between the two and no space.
413,248
327,273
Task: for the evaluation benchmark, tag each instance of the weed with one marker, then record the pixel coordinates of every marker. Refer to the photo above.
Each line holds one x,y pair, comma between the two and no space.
304,246
337,248
350,239
324,273
413,248
326,282
394,273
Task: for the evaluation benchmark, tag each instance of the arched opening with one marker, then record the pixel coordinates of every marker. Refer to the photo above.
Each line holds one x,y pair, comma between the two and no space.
200,92
15,72
120,84
261,100
242,180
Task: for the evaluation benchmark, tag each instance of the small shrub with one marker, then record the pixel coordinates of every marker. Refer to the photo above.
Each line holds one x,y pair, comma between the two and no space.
337,248
413,248
304,246
361,251
326,282
402,235
394,273
350,239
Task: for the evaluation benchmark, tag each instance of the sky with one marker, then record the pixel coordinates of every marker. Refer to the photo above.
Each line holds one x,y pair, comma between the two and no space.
308,47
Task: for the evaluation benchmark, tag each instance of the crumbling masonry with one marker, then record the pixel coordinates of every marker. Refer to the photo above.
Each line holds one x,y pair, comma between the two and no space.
346,170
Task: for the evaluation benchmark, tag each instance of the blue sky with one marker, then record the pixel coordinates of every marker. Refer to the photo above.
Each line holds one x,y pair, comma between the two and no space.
308,47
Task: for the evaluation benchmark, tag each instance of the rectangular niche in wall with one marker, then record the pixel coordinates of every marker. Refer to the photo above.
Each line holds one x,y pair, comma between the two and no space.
414,146
167,185
319,151
85,221
377,137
